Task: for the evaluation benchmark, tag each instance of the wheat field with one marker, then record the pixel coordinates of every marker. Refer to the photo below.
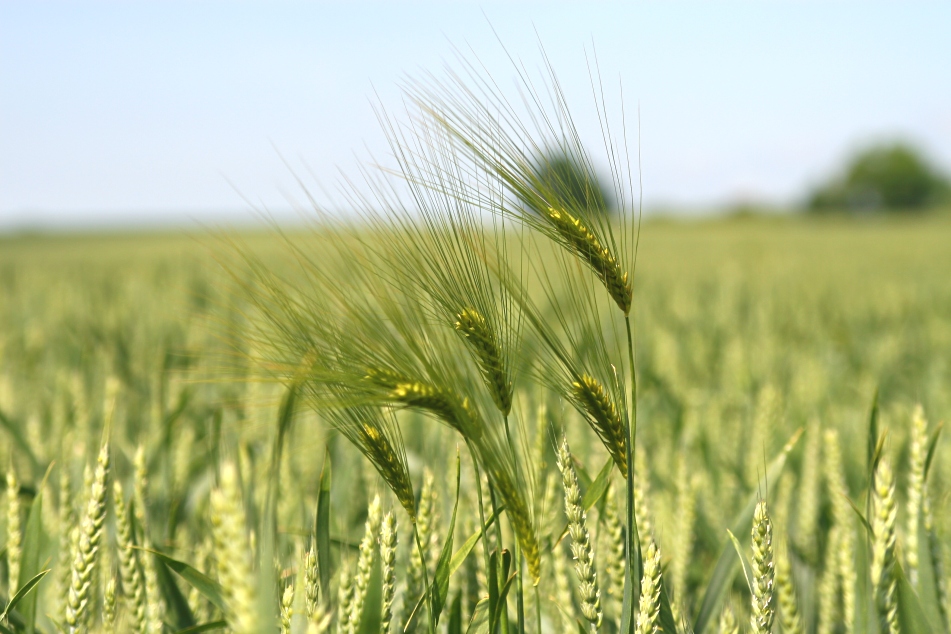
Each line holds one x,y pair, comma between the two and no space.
465,410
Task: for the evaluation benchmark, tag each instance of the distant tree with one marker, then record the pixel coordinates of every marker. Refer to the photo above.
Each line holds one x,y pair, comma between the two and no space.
568,178
893,177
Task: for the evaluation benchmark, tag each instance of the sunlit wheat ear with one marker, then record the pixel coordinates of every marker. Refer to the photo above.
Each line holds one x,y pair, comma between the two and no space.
344,599
580,540
475,329
844,518
90,536
311,583
829,586
788,602
648,611
584,243
233,552
14,534
615,533
763,609
884,516
728,621
916,490
287,608
365,562
388,541
603,416
133,584
110,605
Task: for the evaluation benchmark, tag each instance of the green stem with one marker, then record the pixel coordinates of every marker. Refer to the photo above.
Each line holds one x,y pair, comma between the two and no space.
633,542
538,610
519,597
504,621
427,591
478,484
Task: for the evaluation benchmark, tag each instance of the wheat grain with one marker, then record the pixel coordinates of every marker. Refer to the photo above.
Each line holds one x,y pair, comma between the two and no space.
476,331
604,418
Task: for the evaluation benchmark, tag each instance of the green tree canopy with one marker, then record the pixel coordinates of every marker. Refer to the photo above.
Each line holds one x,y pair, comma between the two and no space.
570,179
891,177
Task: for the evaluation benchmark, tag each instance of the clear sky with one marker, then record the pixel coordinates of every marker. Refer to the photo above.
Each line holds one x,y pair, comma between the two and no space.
132,112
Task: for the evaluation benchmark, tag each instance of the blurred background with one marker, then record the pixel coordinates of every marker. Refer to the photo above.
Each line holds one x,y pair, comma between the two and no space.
189,113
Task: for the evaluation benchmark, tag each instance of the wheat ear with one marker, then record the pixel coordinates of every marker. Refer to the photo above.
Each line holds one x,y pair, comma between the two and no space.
648,611
761,617
580,540
90,535
788,604
287,608
843,518
388,540
232,552
109,606
344,600
311,584
614,570
884,515
14,534
365,563
728,623
916,490
133,584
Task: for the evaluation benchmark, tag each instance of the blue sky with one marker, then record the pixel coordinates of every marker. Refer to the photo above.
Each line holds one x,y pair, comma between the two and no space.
127,112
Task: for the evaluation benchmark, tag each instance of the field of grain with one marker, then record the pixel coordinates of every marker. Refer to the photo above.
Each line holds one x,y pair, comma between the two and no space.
159,472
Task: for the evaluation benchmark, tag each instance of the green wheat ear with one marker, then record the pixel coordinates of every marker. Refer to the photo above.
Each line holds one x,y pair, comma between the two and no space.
884,517
763,610
580,539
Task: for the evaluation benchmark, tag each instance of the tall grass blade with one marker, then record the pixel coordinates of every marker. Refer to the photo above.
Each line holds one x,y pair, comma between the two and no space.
208,587
440,585
34,543
911,616
371,616
22,593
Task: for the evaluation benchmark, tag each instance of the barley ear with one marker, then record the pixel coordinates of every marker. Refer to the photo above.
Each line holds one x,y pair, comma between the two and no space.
485,345
648,611
87,548
761,618
884,515
603,417
388,540
580,540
